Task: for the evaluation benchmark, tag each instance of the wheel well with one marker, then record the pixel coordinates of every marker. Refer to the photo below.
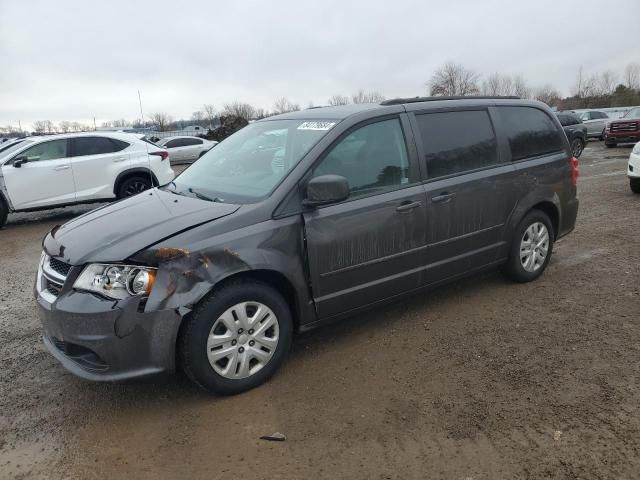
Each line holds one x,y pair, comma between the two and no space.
138,172
552,212
270,277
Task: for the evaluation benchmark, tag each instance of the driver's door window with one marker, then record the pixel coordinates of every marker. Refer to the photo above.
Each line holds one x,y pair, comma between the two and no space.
46,151
372,158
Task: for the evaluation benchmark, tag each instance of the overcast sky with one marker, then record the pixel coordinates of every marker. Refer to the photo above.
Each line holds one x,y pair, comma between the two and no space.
75,60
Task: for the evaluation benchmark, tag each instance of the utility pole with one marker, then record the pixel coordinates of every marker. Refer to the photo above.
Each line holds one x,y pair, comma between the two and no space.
94,124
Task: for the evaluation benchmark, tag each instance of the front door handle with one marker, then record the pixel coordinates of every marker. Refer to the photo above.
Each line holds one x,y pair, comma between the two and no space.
443,197
407,206
62,167
120,159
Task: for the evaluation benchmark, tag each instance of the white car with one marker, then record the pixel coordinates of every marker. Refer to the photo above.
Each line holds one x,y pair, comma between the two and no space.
53,171
633,170
186,149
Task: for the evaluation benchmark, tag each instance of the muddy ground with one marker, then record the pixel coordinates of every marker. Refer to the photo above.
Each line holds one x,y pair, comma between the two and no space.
481,379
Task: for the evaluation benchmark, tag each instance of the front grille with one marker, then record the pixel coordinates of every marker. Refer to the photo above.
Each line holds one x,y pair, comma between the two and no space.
59,267
624,127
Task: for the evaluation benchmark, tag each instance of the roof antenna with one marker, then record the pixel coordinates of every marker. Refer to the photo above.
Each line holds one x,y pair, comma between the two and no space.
145,143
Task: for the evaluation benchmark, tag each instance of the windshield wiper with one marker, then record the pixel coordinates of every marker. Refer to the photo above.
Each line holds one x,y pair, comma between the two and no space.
202,196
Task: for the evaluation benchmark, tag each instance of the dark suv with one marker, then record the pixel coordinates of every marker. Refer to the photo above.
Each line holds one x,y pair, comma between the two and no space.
299,220
576,132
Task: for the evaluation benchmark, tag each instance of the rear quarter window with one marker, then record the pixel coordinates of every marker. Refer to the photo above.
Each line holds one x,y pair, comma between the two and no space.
530,131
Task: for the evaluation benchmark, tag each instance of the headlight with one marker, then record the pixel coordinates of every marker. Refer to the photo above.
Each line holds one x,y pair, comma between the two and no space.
636,148
116,281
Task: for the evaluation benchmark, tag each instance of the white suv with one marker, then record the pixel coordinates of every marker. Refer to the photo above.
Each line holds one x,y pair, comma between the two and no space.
633,171
54,171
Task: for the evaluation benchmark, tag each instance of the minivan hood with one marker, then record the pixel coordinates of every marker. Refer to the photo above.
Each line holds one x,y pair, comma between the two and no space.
115,232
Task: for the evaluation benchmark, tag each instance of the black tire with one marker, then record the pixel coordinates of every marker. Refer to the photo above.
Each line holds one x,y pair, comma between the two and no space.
610,145
634,183
133,185
577,146
4,211
192,344
514,268
201,154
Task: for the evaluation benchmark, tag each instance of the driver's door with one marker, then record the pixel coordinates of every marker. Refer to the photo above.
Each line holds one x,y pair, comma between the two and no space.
45,179
372,245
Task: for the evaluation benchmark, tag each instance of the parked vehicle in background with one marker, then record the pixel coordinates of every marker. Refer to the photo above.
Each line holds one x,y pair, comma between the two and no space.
53,171
595,121
9,144
185,149
575,130
624,130
353,206
634,169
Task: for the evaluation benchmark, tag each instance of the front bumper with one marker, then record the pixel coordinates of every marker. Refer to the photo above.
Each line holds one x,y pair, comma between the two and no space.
621,137
106,340
633,168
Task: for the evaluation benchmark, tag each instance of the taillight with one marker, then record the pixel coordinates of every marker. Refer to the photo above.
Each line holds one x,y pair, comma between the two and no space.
574,171
162,154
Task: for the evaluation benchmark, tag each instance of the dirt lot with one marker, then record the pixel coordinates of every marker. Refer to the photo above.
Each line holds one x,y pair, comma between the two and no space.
482,379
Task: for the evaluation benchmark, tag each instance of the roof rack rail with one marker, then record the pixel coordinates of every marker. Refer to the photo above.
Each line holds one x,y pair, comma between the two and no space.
398,101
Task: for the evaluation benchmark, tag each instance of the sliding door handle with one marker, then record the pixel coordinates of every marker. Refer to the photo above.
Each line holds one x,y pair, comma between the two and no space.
443,197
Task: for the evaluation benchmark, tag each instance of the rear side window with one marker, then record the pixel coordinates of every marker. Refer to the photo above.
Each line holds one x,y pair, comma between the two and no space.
530,131
566,120
186,142
456,142
83,146
176,142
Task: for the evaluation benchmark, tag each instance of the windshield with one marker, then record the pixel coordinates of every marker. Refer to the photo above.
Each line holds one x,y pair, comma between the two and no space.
633,113
249,164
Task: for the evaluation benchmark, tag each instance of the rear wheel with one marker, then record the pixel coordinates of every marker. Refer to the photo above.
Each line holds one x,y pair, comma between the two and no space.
634,183
531,248
236,338
4,211
577,146
133,185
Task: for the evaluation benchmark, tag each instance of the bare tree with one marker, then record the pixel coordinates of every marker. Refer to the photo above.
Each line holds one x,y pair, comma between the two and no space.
262,113
520,87
367,97
79,127
209,112
605,83
161,119
197,116
121,123
43,126
338,100
548,95
585,86
453,79
284,105
497,84
240,109
64,126
632,76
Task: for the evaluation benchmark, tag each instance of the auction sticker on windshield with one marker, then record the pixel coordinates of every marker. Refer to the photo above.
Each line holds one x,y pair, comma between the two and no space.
316,125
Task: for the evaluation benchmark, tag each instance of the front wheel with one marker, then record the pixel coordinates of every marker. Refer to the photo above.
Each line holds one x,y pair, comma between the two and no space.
634,183
134,185
236,338
531,248
577,146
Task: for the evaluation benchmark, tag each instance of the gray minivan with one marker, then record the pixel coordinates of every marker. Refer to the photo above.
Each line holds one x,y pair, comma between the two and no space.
298,220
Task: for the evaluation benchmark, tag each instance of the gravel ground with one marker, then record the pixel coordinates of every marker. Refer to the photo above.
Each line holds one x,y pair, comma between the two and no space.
481,379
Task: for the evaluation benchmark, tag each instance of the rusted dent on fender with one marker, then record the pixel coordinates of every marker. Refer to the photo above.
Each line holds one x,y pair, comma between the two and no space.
184,277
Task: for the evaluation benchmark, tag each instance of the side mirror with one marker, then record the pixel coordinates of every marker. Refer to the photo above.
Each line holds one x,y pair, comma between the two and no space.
326,189
18,161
